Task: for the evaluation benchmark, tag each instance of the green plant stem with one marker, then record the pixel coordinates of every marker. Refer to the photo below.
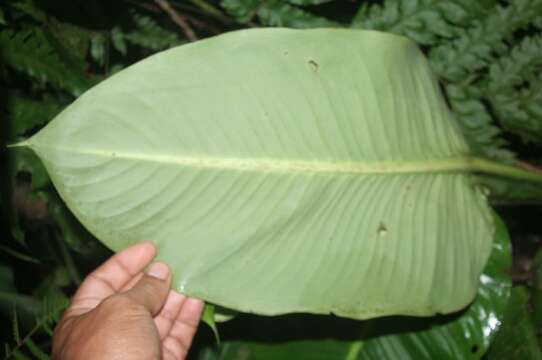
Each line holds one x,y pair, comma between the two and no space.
68,260
513,172
23,341
19,255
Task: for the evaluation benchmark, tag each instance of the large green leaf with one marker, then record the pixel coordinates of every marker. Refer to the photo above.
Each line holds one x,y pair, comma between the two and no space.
281,171
518,337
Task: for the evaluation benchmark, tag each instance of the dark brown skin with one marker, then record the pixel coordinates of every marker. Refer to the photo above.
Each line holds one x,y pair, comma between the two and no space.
119,312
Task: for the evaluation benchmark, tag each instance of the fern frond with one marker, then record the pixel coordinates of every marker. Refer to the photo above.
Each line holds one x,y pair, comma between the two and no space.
118,40
308,2
521,111
515,89
278,13
15,327
18,355
475,47
98,49
31,52
36,351
425,21
71,42
26,306
30,10
477,124
145,32
521,64
52,306
243,11
274,13
25,114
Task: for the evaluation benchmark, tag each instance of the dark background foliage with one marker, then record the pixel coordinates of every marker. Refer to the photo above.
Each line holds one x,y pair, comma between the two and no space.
487,55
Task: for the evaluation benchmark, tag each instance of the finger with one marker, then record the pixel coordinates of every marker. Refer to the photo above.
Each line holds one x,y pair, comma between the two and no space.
190,313
173,348
116,272
168,315
152,289
186,323
169,355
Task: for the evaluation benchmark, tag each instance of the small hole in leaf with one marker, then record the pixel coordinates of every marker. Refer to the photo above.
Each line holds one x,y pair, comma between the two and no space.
382,230
313,65
474,349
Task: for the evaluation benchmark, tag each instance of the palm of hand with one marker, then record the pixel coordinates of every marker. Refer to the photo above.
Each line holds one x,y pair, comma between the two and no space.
121,313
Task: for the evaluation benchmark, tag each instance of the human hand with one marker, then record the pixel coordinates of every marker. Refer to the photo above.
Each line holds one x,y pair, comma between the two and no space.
121,313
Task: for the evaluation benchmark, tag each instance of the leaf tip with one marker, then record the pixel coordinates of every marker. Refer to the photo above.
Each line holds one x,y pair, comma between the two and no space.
24,143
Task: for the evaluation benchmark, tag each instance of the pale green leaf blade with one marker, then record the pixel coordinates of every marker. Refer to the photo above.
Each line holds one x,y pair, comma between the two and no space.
464,335
281,171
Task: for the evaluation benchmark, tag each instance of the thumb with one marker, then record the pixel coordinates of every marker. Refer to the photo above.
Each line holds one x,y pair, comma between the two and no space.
152,289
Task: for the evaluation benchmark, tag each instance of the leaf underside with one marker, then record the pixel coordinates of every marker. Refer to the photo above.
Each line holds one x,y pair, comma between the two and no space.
464,335
281,171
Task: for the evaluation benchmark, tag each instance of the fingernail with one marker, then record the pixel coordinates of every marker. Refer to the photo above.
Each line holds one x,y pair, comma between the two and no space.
158,270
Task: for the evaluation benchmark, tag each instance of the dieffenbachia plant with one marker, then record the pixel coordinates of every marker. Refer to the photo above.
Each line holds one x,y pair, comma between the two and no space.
283,171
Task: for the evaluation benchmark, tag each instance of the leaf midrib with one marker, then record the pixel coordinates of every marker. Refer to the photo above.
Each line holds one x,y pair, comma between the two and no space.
451,164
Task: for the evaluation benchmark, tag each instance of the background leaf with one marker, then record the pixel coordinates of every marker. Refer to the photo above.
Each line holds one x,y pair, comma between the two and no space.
517,339
274,13
32,53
